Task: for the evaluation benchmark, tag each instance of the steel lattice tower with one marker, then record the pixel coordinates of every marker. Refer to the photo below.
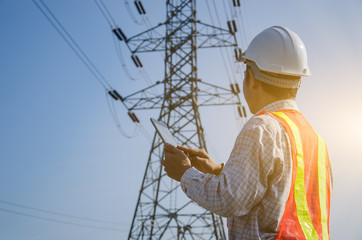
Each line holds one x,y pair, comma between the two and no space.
163,210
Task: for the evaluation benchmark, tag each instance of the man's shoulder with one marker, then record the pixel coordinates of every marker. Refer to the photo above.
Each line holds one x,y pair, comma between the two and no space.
264,121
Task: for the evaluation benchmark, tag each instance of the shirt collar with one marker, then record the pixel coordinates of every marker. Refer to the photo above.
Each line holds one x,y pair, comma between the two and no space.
280,105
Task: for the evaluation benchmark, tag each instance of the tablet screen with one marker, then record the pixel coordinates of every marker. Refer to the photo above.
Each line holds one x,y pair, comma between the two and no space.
164,132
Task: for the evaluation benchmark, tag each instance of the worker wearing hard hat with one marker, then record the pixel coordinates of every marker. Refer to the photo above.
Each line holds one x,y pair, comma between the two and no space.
277,181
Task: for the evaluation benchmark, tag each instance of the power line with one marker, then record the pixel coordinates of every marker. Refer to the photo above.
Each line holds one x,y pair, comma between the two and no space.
104,14
109,18
59,221
243,25
141,72
58,213
226,13
115,118
108,12
227,53
121,59
130,13
77,49
239,17
220,49
72,43
227,69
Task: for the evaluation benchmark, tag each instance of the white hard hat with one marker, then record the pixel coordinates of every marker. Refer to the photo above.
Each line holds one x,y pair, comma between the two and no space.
278,50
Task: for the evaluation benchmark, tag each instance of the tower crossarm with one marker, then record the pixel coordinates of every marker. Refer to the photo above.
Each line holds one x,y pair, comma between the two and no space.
208,36
213,95
148,41
147,98
207,95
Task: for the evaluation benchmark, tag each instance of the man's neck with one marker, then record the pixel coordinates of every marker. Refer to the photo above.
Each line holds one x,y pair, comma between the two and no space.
266,100
263,100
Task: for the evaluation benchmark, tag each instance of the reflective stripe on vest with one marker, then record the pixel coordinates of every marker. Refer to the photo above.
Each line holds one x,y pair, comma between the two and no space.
322,179
306,214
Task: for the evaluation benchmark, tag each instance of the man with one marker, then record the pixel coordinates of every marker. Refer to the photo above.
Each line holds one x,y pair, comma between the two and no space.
277,181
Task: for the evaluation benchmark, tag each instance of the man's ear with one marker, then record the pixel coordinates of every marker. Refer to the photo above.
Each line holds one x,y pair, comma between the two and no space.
252,81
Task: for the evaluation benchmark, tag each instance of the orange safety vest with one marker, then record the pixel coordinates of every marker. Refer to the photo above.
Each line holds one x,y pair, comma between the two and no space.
306,214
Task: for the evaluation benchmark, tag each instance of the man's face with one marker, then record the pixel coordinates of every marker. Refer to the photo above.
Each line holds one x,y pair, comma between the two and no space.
250,90
246,87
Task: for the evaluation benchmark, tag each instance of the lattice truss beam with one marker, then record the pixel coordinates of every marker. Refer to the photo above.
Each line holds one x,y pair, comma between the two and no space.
208,95
208,37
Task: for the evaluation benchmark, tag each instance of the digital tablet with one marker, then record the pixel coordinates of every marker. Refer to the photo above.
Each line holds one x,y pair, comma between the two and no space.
164,132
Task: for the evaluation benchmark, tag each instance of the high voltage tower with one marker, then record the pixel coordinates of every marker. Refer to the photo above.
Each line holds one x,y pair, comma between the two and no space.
162,210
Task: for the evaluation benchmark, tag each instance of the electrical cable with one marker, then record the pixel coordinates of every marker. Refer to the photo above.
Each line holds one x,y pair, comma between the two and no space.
243,26
235,16
240,67
109,18
58,213
243,37
150,25
139,126
103,13
236,115
227,53
226,13
149,81
221,52
130,13
59,221
73,44
240,21
108,12
123,64
115,118
145,19
142,71
145,133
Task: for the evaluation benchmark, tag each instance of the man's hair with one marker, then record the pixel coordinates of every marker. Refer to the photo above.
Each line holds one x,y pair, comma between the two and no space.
277,92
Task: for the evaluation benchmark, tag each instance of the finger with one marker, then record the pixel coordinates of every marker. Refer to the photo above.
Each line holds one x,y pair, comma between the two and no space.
185,152
171,148
198,152
198,160
185,149
191,151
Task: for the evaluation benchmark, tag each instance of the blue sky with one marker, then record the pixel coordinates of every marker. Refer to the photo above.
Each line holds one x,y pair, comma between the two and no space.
61,151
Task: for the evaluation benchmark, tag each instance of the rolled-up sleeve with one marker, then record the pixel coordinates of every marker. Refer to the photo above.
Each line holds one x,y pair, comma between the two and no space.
244,178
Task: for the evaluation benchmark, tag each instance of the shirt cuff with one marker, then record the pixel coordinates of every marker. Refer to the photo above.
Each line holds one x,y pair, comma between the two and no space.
187,179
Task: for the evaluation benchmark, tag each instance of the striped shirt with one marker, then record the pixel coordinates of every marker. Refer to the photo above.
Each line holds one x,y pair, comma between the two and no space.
254,185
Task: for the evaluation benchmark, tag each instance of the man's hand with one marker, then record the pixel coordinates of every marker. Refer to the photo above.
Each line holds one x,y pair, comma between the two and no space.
201,160
176,162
